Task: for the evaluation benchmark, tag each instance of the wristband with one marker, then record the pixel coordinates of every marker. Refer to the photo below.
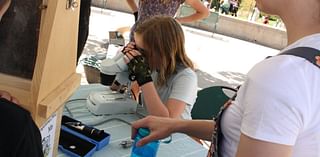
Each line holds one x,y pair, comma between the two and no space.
143,80
139,71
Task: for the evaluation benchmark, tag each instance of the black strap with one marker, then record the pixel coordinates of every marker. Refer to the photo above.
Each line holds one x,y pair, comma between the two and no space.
307,53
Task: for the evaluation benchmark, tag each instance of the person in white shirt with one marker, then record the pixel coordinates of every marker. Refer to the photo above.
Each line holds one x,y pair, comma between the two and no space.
276,111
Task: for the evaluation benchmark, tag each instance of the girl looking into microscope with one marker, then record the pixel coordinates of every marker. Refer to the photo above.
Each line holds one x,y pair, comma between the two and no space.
158,62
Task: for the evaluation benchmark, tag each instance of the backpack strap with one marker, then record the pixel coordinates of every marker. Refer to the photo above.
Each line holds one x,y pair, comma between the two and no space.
307,53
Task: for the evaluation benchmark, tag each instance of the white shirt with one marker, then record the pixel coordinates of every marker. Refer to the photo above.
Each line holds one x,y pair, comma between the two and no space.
279,103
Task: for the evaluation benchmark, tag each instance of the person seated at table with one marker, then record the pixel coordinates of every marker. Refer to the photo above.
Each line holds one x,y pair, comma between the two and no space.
276,111
19,135
149,8
165,74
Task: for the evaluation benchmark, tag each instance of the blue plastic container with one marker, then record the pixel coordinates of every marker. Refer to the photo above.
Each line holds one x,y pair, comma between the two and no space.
148,150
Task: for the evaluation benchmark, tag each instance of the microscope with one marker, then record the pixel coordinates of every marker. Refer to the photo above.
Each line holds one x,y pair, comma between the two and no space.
112,102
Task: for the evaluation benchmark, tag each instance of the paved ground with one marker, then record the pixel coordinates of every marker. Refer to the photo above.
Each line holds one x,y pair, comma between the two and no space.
220,60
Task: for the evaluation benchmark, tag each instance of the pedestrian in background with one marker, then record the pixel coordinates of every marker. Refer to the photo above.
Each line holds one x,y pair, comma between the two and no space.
149,8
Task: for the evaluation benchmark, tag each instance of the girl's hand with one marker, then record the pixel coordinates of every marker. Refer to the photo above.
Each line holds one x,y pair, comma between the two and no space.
128,47
130,52
159,127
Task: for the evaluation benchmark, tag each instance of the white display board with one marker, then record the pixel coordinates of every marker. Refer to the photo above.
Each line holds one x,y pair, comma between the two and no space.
47,133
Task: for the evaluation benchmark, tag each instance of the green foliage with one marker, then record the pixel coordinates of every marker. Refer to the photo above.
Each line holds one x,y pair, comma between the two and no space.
246,8
271,17
91,61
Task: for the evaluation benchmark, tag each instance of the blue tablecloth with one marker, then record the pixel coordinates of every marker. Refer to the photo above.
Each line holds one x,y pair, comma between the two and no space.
118,126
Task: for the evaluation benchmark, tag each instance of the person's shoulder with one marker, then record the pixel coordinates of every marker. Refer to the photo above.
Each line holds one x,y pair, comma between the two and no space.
14,120
280,63
19,134
185,74
282,71
186,71
12,113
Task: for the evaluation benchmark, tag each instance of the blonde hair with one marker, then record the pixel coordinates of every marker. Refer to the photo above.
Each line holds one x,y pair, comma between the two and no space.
163,40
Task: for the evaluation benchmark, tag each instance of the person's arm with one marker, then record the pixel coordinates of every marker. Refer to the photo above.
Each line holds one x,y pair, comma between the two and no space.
249,147
201,129
173,108
134,9
144,80
273,119
132,4
178,99
153,102
201,12
161,127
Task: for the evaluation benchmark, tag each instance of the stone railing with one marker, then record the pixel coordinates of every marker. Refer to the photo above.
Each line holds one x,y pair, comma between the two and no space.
221,24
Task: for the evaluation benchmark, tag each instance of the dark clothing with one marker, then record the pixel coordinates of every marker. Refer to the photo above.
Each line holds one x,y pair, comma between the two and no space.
83,31
19,135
